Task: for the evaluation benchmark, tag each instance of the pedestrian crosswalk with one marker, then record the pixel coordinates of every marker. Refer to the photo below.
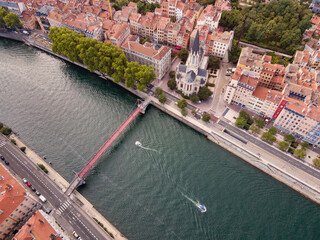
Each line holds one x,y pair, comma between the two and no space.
63,207
2,143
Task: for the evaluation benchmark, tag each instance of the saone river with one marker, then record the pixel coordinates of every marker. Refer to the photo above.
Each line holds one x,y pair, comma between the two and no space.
66,113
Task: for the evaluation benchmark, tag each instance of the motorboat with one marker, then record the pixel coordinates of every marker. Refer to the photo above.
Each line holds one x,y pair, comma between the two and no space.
202,208
138,144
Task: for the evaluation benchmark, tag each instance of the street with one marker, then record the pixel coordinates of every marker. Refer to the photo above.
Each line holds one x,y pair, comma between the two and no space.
65,209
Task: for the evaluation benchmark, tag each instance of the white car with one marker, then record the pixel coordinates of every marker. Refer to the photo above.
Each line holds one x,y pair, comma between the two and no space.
24,180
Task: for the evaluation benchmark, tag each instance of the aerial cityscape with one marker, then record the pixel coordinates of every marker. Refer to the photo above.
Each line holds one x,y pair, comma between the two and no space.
159,119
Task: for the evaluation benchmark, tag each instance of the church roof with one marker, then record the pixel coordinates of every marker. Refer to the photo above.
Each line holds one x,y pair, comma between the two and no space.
202,72
195,47
182,68
190,77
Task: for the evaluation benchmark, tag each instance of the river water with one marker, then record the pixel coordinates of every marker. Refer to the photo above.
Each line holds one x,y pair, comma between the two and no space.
66,114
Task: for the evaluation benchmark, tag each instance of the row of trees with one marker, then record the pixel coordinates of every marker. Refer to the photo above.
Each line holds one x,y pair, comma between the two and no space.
11,20
278,25
5,130
103,57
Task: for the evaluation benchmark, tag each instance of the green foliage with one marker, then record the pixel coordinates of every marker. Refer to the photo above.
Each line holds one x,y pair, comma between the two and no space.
159,91
289,138
14,141
173,19
291,150
12,21
206,117
254,128
172,74
235,52
294,144
97,56
144,7
316,162
43,167
182,103
1,125
193,111
277,25
184,112
6,130
300,153
122,3
268,137
3,13
241,122
143,40
214,62
23,149
305,145
194,98
283,145
183,55
104,228
162,98
204,93
244,115
172,84
259,122
273,131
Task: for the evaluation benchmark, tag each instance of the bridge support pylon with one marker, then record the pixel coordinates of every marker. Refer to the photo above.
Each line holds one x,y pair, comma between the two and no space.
76,182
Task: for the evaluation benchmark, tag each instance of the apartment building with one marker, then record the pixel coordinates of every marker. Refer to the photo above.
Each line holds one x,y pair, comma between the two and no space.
15,204
209,17
39,226
118,33
219,43
148,54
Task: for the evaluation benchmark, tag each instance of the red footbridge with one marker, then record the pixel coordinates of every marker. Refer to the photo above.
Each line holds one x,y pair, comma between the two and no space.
80,177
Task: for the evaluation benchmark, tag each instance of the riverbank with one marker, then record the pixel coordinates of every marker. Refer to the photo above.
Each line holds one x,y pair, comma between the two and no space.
276,167
63,184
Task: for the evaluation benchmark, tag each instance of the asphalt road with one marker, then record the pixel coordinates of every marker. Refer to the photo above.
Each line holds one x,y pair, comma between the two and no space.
22,166
295,162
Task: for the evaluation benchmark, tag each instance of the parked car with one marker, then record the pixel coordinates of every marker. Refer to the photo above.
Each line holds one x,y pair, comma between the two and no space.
6,162
75,234
24,180
37,193
29,184
33,189
2,158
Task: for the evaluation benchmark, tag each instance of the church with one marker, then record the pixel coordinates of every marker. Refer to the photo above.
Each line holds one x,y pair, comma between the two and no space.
192,76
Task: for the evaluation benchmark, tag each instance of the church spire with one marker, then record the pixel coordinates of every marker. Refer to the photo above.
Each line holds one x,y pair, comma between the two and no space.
195,47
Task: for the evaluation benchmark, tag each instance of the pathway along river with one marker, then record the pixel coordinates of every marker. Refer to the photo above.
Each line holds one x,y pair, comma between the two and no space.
66,113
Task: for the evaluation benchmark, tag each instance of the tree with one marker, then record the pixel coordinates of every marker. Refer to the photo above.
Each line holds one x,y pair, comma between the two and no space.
172,74
159,91
6,130
268,137
14,141
12,21
273,131
183,55
259,122
184,112
283,145
172,84
235,52
244,115
241,122
206,117
300,153
173,19
254,128
289,138
162,98
194,98
3,13
305,145
316,162
204,93
214,62
122,3
1,125
182,103
23,149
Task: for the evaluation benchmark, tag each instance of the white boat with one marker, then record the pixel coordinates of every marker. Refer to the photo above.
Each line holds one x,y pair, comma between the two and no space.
138,144
202,208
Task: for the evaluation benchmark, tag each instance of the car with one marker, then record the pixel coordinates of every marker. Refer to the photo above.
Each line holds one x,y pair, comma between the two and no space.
6,162
75,234
37,193
29,184
48,211
2,158
33,189
24,180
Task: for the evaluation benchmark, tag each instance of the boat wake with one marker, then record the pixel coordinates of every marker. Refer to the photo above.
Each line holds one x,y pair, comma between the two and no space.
201,207
138,144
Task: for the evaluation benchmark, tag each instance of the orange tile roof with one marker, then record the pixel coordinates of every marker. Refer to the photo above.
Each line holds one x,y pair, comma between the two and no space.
253,82
36,228
274,96
11,194
296,106
267,58
314,113
261,92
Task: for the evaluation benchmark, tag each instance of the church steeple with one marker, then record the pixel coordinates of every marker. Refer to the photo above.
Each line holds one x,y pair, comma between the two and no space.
195,47
193,61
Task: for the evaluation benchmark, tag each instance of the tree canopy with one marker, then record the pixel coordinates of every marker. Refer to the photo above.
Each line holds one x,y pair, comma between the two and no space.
278,25
11,20
267,136
214,62
182,103
289,138
283,145
102,57
300,153
183,54
204,93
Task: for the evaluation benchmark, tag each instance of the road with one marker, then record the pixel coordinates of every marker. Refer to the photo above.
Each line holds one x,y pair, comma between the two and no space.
64,207
297,163
263,50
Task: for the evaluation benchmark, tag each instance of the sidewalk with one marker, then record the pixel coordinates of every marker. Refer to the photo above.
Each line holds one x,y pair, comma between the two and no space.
81,201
